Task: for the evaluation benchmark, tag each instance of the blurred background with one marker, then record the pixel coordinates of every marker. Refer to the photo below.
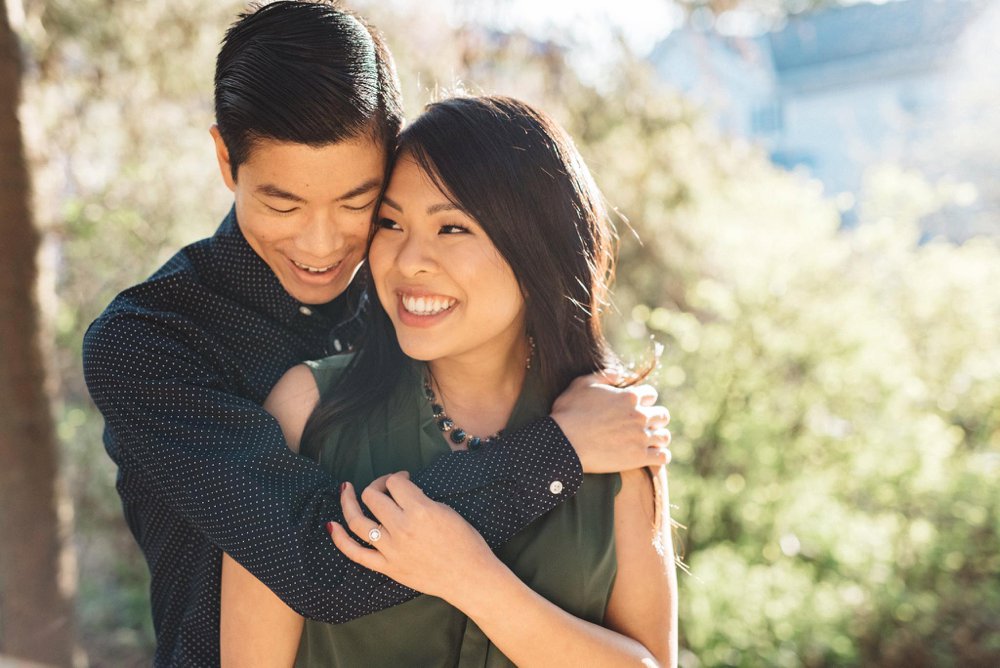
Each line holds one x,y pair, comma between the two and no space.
808,199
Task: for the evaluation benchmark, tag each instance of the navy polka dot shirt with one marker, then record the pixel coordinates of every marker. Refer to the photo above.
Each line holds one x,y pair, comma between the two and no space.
179,366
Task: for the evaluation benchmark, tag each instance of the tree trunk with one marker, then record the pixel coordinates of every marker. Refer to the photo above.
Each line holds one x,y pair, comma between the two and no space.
36,578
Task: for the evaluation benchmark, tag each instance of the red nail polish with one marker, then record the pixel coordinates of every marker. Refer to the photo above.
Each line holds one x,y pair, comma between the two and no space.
329,528
343,486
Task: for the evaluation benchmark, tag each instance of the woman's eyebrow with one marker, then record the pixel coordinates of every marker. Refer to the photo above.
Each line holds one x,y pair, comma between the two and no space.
431,210
443,206
388,201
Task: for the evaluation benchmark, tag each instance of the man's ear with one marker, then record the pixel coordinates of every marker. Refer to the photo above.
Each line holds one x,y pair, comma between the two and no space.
222,155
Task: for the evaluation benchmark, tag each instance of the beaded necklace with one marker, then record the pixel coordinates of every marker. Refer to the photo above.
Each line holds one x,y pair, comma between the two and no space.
456,434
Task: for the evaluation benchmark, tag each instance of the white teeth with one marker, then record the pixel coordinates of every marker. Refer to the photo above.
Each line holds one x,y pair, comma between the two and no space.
314,270
427,305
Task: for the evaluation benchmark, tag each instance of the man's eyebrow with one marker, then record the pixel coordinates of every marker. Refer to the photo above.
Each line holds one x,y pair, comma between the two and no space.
274,191
366,187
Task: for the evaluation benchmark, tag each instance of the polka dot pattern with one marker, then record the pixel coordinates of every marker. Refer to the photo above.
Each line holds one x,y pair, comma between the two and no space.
179,365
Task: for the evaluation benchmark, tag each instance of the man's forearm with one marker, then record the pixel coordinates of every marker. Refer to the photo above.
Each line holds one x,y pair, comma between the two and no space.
503,488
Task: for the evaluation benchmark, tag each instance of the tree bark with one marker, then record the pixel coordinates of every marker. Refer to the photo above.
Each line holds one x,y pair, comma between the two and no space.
36,582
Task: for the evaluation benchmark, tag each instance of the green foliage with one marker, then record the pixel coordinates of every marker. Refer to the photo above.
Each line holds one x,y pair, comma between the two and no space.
836,397
836,394
123,175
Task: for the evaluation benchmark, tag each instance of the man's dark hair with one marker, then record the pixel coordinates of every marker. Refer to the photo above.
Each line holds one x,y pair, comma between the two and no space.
307,72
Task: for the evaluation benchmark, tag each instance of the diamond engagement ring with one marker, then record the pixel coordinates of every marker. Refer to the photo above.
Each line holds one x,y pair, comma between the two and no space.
374,535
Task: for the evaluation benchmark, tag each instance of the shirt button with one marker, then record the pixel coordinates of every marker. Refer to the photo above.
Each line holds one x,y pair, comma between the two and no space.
556,487
337,345
305,310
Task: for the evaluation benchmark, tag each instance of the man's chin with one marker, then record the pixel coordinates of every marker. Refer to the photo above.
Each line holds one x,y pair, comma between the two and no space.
318,289
314,295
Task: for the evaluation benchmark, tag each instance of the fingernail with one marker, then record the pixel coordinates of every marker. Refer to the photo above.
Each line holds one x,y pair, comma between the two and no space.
329,528
343,486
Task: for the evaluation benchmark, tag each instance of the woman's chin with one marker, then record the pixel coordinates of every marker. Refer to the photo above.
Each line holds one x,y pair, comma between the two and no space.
421,351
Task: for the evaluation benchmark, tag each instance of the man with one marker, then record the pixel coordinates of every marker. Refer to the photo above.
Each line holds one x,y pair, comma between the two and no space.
307,109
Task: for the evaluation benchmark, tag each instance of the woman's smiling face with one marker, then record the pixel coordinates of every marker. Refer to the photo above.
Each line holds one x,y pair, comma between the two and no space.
446,288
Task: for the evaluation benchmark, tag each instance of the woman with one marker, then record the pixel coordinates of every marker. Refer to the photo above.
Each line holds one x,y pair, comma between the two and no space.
489,259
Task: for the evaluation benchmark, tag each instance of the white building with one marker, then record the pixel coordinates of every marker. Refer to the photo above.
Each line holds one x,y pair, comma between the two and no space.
834,91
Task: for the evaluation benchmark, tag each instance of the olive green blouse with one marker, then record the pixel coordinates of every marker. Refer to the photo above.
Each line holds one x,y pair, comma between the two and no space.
567,556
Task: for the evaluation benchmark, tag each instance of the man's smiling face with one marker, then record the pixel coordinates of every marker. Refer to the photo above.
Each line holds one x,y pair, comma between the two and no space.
306,211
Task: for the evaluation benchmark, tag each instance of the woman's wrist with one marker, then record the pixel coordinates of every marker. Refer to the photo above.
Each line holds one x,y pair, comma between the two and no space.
477,590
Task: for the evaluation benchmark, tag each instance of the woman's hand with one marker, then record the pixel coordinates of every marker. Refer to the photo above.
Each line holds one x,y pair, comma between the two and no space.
419,542
427,546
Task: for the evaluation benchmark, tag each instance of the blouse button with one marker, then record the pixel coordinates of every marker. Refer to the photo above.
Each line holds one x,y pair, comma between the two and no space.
305,310
556,487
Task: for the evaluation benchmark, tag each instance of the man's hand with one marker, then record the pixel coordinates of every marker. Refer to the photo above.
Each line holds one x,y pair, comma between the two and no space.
613,429
413,537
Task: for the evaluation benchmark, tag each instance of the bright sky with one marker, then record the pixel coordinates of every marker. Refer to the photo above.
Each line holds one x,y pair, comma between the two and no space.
642,22
590,22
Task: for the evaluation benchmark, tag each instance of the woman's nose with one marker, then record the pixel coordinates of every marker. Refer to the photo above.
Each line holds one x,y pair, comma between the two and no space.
416,255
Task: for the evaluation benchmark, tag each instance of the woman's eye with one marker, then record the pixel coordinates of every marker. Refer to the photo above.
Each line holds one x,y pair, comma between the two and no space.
387,224
453,229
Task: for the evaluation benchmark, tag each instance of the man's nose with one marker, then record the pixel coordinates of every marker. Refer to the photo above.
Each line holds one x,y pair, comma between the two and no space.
322,236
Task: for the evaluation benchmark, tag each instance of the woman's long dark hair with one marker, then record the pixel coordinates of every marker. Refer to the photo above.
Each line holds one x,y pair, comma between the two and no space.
518,174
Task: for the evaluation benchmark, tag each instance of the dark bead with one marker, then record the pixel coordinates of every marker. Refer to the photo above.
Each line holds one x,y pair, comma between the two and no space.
475,442
428,393
446,424
437,409
458,436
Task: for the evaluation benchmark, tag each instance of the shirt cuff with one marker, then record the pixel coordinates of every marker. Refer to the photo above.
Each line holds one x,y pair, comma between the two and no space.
544,462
